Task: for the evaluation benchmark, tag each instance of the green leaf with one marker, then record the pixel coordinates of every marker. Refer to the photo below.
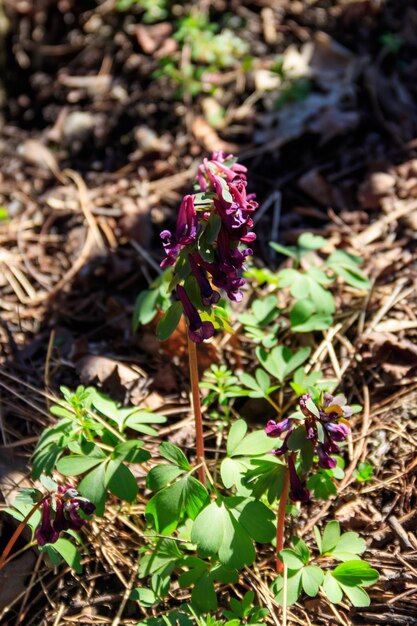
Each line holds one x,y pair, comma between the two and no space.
347,267
332,589
322,486
232,471
291,559
167,507
250,382
312,578
145,308
213,228
175,455
294,587
236,434
256,518
301,548
364,472
121,481
131,452
166,553
138,420
267,477
75,464
305,319
355,572
169,322
356,595
93,488
311,242
161,475
48,483
203,595
68,552
45,460
280,362
255,443
331,536
349,544
144,596
317,536
216,531
298,439
290,251
208,529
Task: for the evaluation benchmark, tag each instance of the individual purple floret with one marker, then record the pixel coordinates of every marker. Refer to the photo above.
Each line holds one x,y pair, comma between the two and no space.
328,417
198,330
208,241
298,490
184,234
60,511
208,295
274,429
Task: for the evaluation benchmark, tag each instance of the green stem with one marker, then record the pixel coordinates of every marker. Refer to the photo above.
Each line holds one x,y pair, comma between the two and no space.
281,520
17,533
195,394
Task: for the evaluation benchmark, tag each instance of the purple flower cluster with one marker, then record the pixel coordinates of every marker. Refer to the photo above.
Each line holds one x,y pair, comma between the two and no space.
211,225
326,425
60,511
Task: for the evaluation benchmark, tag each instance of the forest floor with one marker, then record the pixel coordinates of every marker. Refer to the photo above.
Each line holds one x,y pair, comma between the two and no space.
96,152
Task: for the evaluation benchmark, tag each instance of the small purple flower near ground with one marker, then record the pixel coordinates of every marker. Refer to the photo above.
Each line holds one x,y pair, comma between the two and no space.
206,243
325,424
60,511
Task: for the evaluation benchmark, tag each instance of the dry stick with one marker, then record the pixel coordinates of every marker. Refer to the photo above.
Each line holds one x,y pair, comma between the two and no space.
195,393
281,519
17,534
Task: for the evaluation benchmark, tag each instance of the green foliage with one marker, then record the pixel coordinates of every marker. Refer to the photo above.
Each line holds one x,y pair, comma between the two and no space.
208,45
244,452
150,301
257,322
310,278
227,528
244,609
348,578
281,362
211,49
322,484
392,43
64,549
92,428
222,386
175,500
153,10
364,472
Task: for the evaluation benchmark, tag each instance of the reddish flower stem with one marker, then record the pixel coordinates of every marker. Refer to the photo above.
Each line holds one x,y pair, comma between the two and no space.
195,393
17,534
281,520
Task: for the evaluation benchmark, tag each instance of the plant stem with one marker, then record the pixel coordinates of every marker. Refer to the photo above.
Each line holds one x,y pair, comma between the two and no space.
281,520
17,534
195,394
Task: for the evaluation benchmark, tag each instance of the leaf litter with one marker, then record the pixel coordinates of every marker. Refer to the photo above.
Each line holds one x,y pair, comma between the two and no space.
346,164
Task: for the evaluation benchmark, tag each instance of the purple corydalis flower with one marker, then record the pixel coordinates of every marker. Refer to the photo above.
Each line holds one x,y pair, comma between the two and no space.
325,460
274,429
331,412
298,490
60,512
184,234
338,432
208,295
213,223
197,329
